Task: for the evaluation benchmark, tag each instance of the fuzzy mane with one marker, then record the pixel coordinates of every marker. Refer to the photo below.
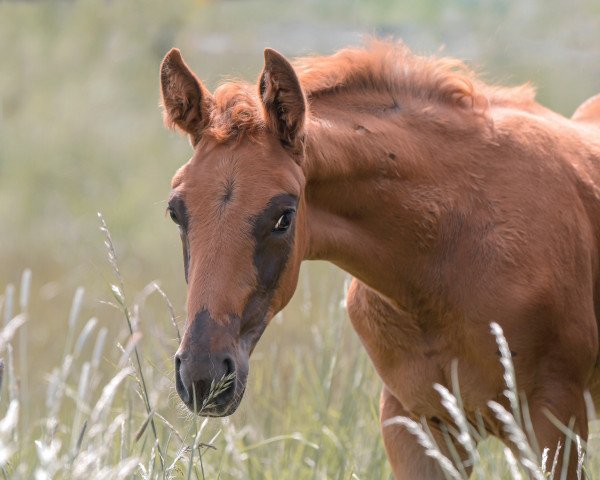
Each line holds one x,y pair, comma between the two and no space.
381,66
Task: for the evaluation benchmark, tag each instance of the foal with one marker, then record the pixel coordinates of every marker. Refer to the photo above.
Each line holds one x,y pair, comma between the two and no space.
452,203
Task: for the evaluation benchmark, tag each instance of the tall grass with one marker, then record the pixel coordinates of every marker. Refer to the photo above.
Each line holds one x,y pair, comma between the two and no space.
522,454
310,412
110,410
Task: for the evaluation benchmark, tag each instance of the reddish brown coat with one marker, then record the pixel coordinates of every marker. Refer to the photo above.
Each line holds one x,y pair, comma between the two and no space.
452,203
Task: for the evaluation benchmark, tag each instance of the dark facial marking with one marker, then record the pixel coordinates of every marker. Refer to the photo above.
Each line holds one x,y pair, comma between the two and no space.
178,211
253,323
272,248
179,214
207,336
210,352
271,252
186,254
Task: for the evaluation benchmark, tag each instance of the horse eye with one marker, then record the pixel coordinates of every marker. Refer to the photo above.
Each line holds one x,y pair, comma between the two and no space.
284,222
173,216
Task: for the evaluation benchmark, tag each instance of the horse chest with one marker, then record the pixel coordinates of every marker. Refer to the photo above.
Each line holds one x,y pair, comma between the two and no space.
411,382
409,359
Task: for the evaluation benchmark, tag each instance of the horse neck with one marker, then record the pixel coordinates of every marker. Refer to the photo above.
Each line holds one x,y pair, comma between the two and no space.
378,184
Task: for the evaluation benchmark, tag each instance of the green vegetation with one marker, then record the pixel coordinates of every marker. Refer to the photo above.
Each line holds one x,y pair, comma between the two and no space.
80,132
110,410
121,422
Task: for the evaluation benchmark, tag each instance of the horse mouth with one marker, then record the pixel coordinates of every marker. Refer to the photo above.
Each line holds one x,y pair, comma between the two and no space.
225,411
222,404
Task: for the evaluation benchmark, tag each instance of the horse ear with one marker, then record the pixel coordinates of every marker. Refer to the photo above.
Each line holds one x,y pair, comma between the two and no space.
283,101
186,103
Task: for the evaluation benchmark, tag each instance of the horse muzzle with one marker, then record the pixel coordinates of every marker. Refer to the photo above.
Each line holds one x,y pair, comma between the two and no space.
210,369
212,386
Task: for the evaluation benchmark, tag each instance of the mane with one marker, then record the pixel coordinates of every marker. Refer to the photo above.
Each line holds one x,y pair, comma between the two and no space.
379,66
391,67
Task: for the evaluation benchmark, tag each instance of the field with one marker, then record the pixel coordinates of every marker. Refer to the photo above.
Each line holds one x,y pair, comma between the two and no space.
81,133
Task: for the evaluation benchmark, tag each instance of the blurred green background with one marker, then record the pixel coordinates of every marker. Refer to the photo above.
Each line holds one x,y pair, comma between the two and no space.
81,131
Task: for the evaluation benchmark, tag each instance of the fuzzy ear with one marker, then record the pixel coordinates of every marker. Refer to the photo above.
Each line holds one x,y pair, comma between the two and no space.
283,101
186,103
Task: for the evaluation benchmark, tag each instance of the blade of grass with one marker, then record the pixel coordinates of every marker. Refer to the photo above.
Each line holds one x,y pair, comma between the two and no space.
120,297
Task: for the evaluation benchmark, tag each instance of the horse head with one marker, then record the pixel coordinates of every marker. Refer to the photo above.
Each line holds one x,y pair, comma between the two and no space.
239,206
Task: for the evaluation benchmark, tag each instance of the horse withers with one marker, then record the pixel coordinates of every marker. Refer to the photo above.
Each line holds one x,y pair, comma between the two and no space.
452,203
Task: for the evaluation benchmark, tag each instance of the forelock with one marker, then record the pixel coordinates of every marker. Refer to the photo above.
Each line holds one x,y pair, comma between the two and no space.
237,112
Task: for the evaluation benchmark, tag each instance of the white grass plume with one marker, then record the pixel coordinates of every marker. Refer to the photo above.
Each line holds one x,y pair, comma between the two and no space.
8,426
545,460
431,449
8,332
512,464
83,336
464,437
516,435
555,460
9,295
580,457
108,393
509,372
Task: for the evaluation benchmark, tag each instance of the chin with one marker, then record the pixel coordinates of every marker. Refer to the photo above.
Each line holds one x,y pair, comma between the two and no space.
225,404
221,411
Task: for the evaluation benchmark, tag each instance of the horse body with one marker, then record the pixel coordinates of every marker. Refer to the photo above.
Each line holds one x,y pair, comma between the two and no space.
497,223
453,204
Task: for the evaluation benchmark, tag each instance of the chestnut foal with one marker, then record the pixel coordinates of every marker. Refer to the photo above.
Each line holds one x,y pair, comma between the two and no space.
451,202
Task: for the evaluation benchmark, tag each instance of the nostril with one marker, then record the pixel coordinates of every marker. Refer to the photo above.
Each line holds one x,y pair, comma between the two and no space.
177,365
229,366
179,382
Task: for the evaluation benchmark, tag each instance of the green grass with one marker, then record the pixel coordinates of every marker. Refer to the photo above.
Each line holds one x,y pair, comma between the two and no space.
307,413
80,131
310,411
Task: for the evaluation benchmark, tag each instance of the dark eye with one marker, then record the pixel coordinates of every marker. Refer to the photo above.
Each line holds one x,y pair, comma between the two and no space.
173,216
284,221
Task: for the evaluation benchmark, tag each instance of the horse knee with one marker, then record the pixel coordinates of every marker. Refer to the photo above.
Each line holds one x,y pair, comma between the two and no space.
552,414
407,458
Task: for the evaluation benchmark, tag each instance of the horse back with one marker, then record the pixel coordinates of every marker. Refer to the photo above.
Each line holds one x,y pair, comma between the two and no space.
589,111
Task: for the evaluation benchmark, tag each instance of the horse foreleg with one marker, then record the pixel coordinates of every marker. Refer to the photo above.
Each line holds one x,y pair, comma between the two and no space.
566,405
406,456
